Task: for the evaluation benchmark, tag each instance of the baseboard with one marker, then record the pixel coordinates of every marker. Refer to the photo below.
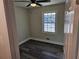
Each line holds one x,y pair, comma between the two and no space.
24,41
42,40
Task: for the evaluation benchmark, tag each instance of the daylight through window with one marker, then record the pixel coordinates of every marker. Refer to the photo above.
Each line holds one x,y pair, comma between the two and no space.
49,22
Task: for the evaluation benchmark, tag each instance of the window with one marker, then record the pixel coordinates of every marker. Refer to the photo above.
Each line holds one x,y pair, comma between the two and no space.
49,22
68,26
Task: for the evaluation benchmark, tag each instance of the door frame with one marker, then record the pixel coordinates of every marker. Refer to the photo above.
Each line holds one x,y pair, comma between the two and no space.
8,37
11,33
71,40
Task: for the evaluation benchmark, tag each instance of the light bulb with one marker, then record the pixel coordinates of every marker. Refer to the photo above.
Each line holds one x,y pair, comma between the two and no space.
33,5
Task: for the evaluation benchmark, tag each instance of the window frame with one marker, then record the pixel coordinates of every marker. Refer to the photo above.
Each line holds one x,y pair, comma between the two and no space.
43,22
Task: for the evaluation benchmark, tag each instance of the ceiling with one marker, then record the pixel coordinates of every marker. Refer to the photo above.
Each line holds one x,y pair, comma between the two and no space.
24,4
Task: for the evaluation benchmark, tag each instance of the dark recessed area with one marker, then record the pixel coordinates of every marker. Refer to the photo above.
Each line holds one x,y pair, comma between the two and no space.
43,0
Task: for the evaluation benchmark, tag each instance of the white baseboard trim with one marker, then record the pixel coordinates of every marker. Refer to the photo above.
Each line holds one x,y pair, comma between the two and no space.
24,41
42,40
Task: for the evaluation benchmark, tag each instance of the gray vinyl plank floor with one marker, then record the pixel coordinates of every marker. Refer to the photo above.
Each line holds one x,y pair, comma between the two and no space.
40,50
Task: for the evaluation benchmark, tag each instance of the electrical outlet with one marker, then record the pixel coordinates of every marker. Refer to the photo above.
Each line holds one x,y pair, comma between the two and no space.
47,38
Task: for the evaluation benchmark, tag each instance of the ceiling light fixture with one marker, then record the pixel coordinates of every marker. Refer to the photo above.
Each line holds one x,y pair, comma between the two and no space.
34,4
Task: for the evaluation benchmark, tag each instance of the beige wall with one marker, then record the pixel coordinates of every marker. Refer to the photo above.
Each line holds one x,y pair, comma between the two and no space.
36,22
29,22
22,23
